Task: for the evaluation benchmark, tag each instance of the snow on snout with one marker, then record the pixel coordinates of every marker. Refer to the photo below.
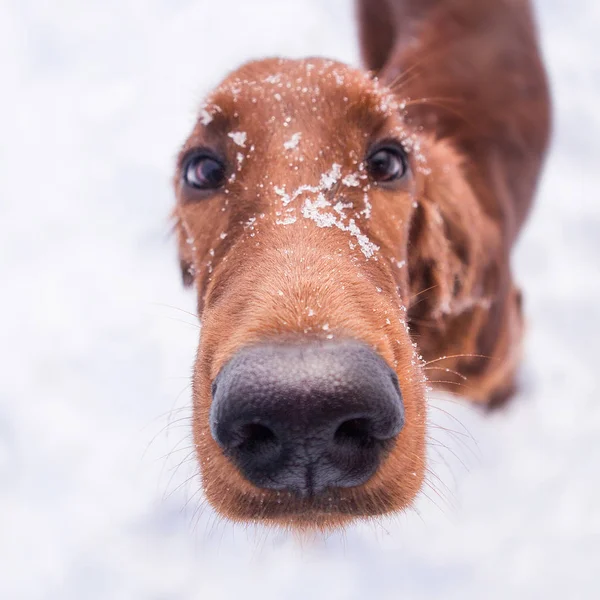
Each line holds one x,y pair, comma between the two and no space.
239,138
293,142
328,180
318,207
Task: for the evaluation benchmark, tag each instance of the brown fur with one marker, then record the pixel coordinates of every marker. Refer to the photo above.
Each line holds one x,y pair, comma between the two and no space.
460,83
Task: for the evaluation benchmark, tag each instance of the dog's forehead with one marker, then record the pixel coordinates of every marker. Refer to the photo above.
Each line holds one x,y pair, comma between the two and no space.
278,92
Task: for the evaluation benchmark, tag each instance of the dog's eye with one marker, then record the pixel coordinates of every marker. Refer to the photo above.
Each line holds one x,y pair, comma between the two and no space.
387,164
204,173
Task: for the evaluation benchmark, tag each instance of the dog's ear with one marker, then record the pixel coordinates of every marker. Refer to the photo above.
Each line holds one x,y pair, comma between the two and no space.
453,245
186,260
465,79
377,33
460,281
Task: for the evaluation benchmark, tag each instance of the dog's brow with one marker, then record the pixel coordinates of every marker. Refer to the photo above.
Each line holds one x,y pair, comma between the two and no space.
212,124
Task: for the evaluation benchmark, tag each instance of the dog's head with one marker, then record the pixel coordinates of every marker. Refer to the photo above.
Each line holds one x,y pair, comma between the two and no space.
310,216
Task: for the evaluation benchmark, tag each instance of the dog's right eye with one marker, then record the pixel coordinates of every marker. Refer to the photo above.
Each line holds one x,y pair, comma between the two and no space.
387,163
204,172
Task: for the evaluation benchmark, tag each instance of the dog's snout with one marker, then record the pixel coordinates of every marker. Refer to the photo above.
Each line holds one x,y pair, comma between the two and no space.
304,417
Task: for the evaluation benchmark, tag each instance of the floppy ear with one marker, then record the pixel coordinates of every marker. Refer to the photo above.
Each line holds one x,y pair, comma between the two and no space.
462,293
453,245
469,71
186,262
377,33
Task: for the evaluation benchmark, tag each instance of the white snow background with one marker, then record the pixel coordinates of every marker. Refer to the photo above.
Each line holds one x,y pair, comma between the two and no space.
96,98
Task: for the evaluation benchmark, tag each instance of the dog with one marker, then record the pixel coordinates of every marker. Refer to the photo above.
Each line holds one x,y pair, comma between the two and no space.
348,233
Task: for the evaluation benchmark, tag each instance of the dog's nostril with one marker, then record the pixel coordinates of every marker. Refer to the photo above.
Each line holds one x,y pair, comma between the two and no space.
354,432
255,438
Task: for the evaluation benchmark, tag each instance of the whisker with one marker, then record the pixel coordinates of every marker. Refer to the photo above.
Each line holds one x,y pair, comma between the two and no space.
196,493
458,436
154,438
430,362
422,323
185,460
423,291
448,430
439,480
167,413
461,440
433,442
171,423
199,513
439,494
187,312
194,325
457,421
424,56
167,496
446,370
175,450
422,493
456,399
456,113
447,382
434,448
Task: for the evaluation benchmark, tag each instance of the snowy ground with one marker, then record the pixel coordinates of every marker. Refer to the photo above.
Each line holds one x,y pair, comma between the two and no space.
96,97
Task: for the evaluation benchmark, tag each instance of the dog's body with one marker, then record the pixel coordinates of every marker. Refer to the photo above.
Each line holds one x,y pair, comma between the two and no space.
322,209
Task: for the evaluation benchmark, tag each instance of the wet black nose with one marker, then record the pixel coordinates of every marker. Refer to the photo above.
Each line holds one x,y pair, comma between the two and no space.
305,416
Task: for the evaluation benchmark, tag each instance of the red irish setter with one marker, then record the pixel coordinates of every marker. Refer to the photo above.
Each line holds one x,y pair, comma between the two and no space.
348,233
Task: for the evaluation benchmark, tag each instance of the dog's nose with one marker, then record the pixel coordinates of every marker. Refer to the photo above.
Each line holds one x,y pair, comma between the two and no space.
306,416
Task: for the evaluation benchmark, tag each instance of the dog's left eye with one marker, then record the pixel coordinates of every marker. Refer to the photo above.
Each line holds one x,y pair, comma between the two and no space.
204,173
387,164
